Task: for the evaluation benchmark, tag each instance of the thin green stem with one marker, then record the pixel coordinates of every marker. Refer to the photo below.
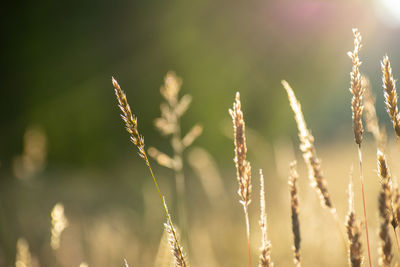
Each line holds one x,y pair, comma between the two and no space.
165,206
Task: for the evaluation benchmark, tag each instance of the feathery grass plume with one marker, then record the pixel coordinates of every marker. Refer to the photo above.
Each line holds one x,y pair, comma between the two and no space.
59,222
131,127
395,210
243,168
129,118
357,91
396,207
390,93
353,231
384,200
126,263
294,204
83,264
315,174
265,250
23,258
309,154
371,119
163,258
176,250
169,125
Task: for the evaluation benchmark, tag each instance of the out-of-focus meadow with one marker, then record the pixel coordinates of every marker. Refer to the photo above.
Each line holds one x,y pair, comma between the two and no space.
62,140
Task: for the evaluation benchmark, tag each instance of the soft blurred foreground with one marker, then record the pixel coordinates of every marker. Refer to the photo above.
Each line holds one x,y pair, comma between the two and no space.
108,222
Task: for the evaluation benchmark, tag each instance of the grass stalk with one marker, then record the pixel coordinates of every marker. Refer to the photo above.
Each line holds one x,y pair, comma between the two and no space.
131,126
357,90
164,204
395,205
265,249
294,205
364,205
353,230
243,168
315,174
390,93
246,216
169,125
385,212
396,239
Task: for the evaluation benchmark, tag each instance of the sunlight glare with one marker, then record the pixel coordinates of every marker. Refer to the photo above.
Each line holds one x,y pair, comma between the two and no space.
389,12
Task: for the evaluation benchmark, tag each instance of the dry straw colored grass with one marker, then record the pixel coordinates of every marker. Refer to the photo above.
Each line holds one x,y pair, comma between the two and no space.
265,249
353,231
129,118
385,207
357,107
390,93
396,207
176,250
318,181
309,153
389,199
356,89
243,168
131,126
294,205
169,125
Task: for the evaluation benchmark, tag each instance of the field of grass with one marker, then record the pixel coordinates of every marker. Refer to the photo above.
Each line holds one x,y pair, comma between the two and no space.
188,207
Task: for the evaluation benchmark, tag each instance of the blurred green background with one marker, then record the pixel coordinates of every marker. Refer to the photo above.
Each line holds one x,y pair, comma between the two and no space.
58,59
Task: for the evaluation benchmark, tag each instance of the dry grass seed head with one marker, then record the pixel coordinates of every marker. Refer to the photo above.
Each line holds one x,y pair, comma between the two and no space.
384,201
168,123
265,249
176,250
356,89
294,203
396,207
243,168
129,118
390,93
353,232
173,239
171,88
309,154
